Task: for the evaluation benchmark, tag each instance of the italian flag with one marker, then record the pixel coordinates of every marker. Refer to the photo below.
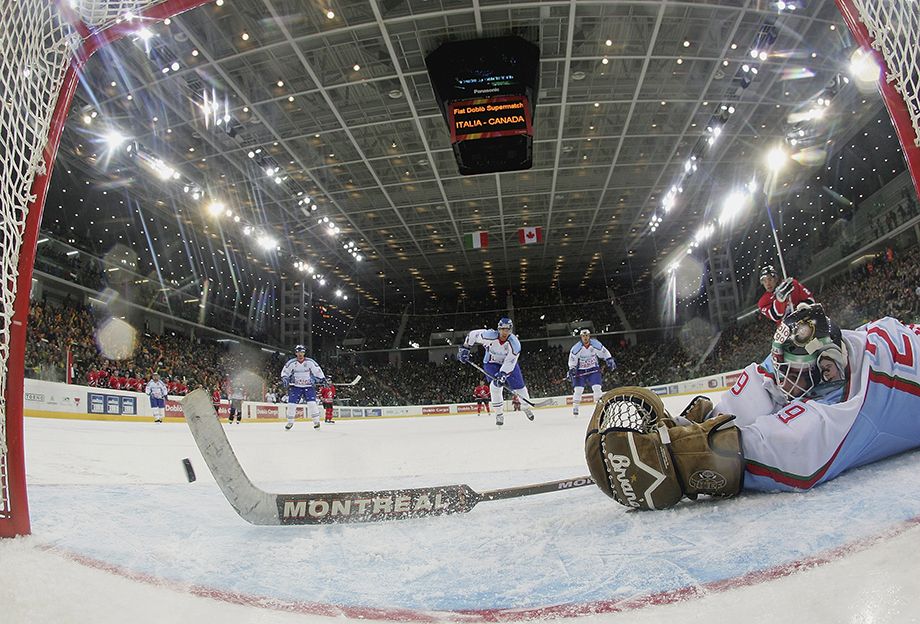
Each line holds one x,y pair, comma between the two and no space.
530,235
476,240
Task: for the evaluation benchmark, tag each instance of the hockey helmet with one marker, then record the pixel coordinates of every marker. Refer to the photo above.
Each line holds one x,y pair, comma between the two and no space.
767,271
505,323
800,342
300,349
585,332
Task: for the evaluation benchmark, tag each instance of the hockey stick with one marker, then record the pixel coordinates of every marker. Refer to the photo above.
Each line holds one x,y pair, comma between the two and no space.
542,403
353,382
569,379
259,507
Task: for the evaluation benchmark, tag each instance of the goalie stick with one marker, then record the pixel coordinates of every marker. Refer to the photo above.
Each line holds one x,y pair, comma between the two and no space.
542,403
257,506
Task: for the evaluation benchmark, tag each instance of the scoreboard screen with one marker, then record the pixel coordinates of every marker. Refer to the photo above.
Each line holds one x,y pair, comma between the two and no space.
486,90
487,118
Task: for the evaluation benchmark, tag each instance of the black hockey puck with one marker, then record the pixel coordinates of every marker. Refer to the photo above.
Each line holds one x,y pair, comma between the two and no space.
189,471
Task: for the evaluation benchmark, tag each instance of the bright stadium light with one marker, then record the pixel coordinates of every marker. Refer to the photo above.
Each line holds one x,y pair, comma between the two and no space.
776,158
863,66
731,207
265,241
216,208
114,139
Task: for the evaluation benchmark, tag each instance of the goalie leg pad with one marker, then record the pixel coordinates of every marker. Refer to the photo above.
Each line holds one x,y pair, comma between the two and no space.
698,409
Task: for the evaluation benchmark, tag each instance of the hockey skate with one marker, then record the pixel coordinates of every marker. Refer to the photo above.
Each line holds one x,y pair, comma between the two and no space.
289,425
499,419
575,411
329,421
316,425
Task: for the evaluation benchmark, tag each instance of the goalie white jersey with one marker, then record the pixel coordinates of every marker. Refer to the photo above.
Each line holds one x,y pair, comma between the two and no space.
875,414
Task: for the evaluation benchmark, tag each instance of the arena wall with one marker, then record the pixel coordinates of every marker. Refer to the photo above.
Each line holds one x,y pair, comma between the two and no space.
58,400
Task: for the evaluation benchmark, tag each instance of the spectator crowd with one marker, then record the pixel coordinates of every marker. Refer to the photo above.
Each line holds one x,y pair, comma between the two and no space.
886,286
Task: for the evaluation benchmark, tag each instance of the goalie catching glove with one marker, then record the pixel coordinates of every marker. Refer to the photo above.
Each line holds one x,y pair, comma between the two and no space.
641,459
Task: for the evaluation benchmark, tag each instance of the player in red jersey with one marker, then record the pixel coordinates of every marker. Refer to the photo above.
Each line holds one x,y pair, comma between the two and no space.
482,395
781,297
327,395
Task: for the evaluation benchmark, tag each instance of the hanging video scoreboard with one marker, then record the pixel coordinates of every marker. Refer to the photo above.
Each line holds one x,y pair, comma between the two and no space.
486,90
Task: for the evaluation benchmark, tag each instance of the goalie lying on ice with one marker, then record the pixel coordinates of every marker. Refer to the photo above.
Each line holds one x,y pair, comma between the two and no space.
823,402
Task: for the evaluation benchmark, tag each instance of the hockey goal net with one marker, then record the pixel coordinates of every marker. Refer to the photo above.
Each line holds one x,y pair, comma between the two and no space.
43,46
891,30
45,43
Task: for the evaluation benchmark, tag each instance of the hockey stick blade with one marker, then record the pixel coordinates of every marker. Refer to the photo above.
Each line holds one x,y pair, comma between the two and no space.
542,403
353,382
264,508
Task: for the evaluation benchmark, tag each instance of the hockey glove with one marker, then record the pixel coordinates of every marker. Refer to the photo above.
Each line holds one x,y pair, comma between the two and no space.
286,381
698,409
571,374
784,289
464,355
611,363
501,379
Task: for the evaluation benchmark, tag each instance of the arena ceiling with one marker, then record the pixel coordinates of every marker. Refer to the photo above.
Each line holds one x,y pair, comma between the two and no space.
261,104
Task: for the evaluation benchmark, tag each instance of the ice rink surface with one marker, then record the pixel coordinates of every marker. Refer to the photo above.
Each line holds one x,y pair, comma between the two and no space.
119,535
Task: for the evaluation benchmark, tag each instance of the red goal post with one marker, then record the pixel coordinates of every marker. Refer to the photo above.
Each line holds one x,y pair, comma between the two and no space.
46,44
890,30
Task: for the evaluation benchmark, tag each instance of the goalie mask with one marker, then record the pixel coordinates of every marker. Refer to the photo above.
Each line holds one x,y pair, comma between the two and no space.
808,349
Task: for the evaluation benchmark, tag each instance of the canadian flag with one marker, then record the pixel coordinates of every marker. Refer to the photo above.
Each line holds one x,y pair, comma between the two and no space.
530,235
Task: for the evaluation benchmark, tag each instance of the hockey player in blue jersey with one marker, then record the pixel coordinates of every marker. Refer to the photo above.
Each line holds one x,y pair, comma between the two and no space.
300,376
500,363
585,368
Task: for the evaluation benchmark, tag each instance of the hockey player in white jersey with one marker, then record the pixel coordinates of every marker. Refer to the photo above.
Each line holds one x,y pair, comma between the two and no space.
824,401
157,391
299,376
585,368
500,363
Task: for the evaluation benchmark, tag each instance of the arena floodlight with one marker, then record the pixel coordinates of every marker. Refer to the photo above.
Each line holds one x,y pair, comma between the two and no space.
776,158
114,139
216,208
265,241
864,68
731,207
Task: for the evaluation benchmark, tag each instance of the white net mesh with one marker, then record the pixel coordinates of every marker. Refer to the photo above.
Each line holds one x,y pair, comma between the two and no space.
37,42
894,27
628,412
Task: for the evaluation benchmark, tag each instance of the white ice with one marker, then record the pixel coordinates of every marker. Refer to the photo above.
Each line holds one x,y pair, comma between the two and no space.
119,535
